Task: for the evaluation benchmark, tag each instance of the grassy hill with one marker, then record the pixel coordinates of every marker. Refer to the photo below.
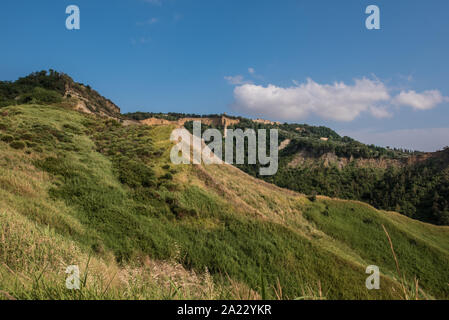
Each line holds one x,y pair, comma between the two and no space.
80,189
316,160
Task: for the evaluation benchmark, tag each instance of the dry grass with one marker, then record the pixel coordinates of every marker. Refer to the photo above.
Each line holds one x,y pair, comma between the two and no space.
29,252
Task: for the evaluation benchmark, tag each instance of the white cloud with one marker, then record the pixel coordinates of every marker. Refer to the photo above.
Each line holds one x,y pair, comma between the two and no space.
237,80
380,112
420,101
251,70
338,101
431,139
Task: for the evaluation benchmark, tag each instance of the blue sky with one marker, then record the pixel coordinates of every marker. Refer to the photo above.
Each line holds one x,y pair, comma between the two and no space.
299,61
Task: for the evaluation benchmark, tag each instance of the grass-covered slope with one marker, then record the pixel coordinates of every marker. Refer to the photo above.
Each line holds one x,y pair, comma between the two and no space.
316,160
76,189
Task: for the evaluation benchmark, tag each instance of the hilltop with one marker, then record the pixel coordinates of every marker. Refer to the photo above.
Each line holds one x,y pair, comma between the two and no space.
54,87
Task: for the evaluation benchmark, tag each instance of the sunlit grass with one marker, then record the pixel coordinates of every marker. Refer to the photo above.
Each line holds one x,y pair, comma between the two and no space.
90,189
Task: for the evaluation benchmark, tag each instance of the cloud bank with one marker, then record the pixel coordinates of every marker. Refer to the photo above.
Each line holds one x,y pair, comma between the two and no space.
420,101
337,101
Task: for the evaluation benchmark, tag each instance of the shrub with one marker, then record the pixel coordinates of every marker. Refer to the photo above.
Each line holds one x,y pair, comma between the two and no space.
40,96
135,174
60,135
7,138
30,144
70,128
17,145
27,136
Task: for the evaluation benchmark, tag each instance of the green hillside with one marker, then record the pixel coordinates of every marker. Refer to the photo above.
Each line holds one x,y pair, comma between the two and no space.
316,160
80,189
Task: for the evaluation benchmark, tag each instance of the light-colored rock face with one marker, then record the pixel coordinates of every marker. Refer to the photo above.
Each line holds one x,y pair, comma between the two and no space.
81,106
229,122
90,101
284,144
221,121
156,122
263,121
131,122
304,158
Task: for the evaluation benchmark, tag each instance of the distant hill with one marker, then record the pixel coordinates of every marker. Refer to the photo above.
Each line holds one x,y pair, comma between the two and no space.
316,160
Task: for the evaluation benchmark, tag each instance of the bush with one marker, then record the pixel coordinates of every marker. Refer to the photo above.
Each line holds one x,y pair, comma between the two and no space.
30,144
27,136
7,138
17,145
40,96
70,128
135,174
